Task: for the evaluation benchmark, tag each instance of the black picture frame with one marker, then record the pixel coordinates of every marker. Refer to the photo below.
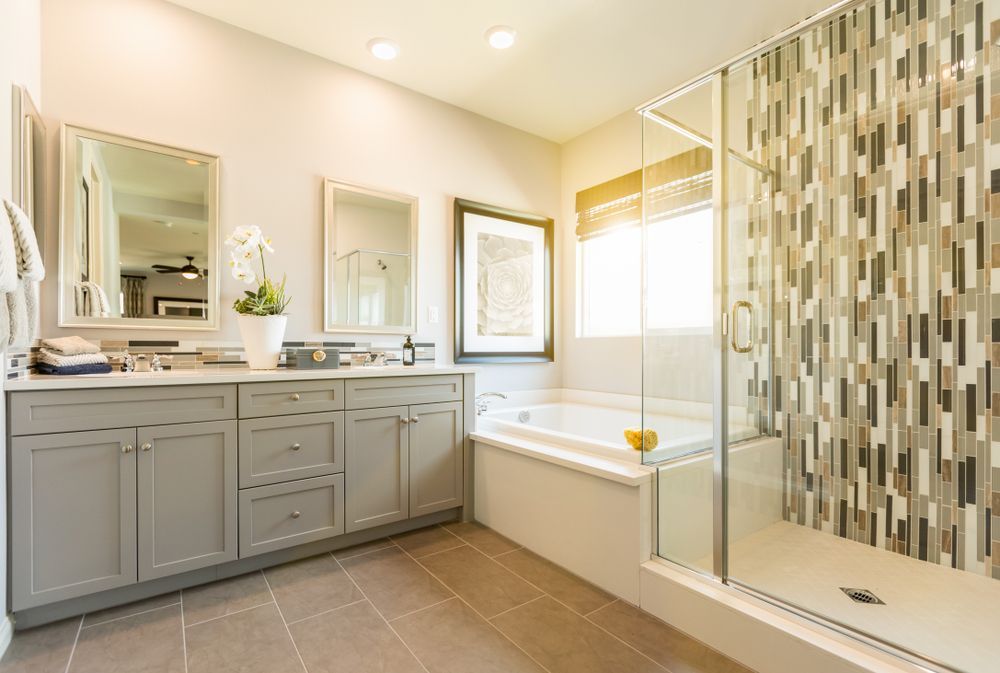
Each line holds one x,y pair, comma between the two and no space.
463,354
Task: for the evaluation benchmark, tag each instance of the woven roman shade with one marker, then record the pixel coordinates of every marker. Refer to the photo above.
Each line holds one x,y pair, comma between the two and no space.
675,185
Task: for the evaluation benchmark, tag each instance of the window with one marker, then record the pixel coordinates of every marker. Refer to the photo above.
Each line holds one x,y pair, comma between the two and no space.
609,282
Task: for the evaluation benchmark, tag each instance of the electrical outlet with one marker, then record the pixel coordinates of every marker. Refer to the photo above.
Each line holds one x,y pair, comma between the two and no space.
433,315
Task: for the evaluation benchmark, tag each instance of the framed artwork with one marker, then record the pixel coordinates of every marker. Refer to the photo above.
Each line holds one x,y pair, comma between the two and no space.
503,285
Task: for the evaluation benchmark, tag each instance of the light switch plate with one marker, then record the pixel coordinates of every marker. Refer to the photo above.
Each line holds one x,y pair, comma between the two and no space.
432,315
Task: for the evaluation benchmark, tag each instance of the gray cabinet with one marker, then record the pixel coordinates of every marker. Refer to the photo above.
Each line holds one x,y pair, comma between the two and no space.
284,515
186,497
436,457
73,529
402,462
376,469
283,448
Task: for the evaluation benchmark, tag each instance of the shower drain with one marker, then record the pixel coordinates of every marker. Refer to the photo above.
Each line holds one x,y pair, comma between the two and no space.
862,596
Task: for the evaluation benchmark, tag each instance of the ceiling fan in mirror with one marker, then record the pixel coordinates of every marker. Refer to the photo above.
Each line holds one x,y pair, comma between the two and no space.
189,270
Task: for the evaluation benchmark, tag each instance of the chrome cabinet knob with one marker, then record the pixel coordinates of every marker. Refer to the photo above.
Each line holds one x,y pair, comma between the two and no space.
296,446
296,514
415,419
146,446
128,448
295,397
405,420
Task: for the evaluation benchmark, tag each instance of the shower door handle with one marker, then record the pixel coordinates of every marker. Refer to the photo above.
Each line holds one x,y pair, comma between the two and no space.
748,346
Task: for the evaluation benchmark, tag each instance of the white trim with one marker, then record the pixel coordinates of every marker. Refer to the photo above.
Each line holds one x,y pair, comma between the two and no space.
6,634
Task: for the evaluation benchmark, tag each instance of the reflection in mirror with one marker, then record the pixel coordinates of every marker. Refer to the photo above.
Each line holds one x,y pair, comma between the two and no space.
370,260
139,243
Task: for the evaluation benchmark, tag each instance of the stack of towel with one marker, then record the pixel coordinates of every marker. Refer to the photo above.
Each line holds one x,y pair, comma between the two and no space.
71,355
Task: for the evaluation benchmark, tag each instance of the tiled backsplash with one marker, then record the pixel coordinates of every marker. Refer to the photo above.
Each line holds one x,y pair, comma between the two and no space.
214,354
881,126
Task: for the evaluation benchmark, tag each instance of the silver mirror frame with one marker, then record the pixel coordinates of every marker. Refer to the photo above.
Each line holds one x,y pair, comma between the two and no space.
67,234
28,170
329,231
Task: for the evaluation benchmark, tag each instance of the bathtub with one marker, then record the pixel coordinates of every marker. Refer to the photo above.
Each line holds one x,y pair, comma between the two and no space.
595,423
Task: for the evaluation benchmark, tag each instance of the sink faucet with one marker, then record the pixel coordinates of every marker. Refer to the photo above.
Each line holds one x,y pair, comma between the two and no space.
483,401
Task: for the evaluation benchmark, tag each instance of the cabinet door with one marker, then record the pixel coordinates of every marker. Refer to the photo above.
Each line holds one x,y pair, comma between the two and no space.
187,497
72,515
436,468
375,467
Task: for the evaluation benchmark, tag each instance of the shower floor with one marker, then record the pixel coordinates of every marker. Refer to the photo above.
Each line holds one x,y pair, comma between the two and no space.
947,615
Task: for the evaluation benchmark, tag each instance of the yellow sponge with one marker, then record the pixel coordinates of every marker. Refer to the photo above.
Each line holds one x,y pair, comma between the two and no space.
641,440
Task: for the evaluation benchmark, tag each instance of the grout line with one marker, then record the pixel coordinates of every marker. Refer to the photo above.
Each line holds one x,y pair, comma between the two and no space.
75,641
229,614
426,607
282,615
379,613
134,614
611,602
538,597
509,551
481,616
184,640
326,612
366,553
440,551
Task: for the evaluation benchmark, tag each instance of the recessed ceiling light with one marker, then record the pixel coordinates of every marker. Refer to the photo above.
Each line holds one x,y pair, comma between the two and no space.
384,49
501,37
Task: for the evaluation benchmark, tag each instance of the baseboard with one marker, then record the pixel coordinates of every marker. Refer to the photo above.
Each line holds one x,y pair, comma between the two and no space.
6,633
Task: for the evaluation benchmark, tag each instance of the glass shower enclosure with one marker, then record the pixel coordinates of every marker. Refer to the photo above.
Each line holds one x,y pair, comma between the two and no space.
816,249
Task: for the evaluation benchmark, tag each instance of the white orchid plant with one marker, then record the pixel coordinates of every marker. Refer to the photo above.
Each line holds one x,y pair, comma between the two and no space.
249,245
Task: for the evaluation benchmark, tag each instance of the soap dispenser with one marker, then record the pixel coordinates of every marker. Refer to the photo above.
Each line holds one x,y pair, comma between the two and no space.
409,353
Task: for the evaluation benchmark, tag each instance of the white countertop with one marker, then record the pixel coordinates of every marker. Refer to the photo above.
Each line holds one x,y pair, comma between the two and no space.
179,377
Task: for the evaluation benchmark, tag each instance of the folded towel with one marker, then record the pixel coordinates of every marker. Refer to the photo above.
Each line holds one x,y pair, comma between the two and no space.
57,360
76,370
71,345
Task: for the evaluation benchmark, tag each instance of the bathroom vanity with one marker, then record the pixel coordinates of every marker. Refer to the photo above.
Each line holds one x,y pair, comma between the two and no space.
126,486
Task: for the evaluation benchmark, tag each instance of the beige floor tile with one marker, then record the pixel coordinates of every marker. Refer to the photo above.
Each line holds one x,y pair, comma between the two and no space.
43,649
561,584
131,608
667,646
253,641
225,597
311,586
485,584
427,541
564,642
363,548
452,638
394,582
353,639
482,538
149,642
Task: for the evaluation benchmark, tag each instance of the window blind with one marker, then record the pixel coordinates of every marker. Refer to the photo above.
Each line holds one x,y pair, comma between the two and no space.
680,183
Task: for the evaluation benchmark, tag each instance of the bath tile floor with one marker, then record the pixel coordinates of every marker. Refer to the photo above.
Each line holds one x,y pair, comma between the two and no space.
455,598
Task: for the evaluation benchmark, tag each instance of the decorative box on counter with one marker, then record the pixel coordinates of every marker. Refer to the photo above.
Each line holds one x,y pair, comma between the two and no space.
312,358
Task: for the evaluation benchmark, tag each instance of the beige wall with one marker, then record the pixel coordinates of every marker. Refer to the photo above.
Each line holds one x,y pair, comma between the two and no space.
20,63
281,120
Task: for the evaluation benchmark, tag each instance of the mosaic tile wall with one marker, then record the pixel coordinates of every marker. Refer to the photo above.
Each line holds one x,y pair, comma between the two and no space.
881,127
216,354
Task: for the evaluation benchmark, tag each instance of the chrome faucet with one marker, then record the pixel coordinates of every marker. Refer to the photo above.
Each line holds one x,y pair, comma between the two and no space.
483,401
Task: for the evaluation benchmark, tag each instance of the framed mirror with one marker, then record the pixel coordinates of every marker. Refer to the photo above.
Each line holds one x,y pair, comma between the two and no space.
139,243
370,269
29,161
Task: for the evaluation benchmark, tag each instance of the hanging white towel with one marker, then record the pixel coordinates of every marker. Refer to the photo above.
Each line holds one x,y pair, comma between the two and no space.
22,300
99,304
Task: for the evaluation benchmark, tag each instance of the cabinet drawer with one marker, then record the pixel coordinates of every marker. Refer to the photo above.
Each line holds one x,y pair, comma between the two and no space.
284,515
400,390
284,448
293,397
71,410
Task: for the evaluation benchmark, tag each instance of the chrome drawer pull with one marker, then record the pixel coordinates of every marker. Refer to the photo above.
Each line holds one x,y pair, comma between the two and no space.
127,448
296,446
295,397
296,514
146,447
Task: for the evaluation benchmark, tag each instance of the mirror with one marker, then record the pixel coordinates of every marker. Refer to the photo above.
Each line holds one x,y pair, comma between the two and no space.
29,161
370,271
139,243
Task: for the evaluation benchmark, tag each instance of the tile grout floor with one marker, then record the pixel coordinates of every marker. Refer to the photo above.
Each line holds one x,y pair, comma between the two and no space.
452,598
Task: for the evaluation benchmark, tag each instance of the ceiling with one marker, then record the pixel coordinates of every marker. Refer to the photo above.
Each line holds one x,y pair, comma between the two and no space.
576,63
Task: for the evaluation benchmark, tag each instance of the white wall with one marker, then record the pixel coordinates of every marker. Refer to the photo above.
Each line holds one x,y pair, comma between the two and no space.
281,120
20,63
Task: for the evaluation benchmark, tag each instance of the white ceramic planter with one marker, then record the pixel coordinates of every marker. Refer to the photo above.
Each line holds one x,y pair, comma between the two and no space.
262,338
